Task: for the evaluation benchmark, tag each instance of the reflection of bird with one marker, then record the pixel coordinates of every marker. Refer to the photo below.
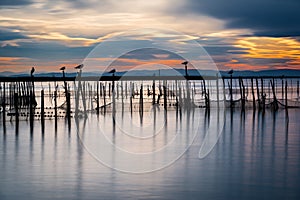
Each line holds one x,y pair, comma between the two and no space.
62,68
112,71
79,66
185,63
230,72
32,71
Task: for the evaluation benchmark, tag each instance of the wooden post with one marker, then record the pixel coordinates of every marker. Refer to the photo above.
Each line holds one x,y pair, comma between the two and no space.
42,106
104,97
282,89
275,103
231,93
286,98
224,91
31,114
68,98
153,92
263,96
98,97
131,95
16,106
55,104
253,95
122,95
258,95
113,95
141,107
297,89
165,94
218,98
4,105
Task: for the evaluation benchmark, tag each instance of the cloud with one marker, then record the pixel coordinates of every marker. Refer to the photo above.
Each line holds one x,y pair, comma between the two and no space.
15,2
8,34
264,17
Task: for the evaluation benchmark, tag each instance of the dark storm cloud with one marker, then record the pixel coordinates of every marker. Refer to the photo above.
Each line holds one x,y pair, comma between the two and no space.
15,2
48,51
7,34
264,17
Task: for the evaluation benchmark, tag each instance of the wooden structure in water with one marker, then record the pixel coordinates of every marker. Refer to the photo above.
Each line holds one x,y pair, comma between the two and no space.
21,98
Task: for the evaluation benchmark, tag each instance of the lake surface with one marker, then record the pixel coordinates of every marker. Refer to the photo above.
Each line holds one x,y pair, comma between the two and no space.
247,155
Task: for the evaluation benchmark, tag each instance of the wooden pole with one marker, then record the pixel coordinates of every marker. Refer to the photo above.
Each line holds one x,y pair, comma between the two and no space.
286,91
253,95
42,106
231,93
4,105
16,106
263,95
218,98
153,92
141,107
98,97
55,104
297,89
165,94
258,95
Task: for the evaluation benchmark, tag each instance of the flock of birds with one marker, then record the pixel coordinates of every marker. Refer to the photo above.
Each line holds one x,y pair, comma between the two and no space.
113,71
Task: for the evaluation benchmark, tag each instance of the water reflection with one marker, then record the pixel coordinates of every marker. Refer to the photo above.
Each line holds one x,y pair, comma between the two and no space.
256,157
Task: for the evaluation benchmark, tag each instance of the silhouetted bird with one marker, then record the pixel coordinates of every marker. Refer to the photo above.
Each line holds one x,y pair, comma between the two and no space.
62,68
185,63
32,71
112,71
79,66
230,72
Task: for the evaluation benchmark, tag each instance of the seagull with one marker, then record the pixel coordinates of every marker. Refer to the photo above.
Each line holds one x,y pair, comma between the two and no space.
62,68
79,66
230,72
112,71
32,71
185,63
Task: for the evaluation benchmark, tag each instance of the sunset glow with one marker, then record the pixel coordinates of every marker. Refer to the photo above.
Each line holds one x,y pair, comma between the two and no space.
50,34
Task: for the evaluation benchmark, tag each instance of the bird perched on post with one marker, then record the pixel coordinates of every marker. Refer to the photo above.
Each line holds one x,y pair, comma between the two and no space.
79,66
32,71
62,68
230,72
185,65
112,71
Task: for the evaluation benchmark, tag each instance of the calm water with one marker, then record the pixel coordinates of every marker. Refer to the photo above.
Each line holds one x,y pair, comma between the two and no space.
256,157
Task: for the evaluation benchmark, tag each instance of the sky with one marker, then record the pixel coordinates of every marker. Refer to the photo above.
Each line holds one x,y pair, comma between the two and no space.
234,34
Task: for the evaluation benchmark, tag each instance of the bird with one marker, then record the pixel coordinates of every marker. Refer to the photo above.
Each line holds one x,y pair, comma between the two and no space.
32,71
112,71
230,72
79,66
62,68
185,63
